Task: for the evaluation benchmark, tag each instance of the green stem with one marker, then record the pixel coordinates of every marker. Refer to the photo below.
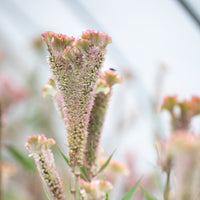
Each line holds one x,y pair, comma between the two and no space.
1,190
167,186
73,186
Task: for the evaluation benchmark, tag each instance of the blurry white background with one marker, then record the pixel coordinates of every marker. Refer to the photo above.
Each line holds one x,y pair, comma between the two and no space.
156,42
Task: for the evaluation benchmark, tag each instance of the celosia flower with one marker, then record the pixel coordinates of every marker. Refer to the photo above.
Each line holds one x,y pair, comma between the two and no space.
95,190
195,105
184,152
75,65
39,149
169,102
187,109
102,95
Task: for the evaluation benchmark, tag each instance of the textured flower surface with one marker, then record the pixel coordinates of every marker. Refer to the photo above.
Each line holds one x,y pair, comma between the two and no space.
39,149
102,95
75,65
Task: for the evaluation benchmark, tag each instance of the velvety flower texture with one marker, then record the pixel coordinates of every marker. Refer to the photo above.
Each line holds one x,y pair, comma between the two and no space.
39,149
102,95
75,65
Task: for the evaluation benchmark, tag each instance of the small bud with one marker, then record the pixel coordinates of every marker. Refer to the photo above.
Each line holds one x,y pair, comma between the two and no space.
49,89
111,77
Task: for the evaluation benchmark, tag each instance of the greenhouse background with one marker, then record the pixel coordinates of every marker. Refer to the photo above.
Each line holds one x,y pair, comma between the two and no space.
155,48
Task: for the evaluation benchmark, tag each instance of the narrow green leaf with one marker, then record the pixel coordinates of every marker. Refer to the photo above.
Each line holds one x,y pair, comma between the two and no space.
105,164
46,192
84,174
21,158
147,195
107,197
128,195
65,157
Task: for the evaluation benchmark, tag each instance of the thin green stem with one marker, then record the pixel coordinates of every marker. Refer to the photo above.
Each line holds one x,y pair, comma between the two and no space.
72,186
1,190
167,186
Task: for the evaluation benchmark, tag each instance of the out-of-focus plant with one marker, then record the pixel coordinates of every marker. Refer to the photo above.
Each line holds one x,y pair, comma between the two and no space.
178,155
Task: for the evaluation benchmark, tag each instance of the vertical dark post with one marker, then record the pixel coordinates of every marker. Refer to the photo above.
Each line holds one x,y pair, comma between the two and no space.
190,11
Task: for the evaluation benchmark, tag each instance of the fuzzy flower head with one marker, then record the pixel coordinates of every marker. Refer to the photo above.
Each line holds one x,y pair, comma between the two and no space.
111,77
37,143
75,65
95,190
181,111
39,149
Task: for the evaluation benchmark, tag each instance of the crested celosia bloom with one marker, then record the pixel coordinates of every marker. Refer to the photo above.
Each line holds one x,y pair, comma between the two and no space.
39,149
102,95
186,110
184,153
95,190
75,65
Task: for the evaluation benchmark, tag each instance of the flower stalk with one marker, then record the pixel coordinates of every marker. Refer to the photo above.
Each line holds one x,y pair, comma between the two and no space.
39,149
